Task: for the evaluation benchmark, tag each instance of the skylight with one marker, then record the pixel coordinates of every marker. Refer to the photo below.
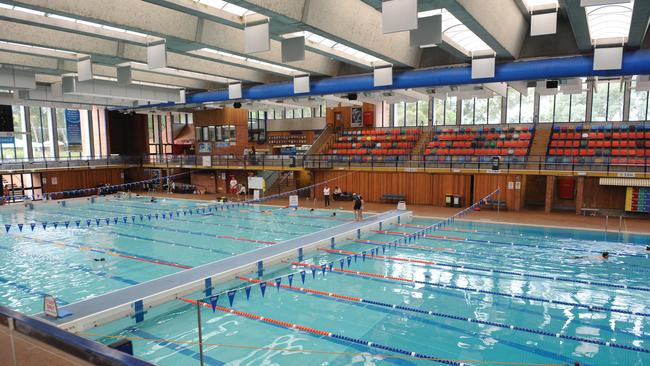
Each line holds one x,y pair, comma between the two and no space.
245,61
227,7
334,48
457,34
609,22
533,5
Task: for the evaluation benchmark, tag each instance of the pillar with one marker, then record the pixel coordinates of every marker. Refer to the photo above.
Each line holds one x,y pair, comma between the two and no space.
580,192
550,192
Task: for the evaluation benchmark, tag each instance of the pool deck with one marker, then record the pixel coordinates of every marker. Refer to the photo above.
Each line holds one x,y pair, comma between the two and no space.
121,303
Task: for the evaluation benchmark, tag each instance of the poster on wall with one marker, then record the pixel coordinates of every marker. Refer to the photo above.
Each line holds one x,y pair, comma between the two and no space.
6,125
357,117
205,147
73,127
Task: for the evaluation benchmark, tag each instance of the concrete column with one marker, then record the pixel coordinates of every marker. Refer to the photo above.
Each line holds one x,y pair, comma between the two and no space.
580,190
550,192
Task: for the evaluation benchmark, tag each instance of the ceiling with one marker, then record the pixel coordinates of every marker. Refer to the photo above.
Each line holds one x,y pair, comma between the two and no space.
205,39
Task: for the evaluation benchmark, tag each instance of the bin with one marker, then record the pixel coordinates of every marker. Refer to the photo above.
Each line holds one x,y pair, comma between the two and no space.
448,200
457,198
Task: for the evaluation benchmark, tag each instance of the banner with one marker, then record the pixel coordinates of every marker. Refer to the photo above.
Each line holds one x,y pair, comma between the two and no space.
73,127
293,201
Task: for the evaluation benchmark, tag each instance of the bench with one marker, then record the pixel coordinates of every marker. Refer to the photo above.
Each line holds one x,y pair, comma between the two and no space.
496,204
590,211
393,198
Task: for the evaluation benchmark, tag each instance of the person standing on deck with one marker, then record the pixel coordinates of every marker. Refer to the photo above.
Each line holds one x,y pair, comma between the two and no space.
326,195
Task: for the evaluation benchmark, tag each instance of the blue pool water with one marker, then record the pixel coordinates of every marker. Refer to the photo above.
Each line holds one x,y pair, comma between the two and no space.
524,295
65,262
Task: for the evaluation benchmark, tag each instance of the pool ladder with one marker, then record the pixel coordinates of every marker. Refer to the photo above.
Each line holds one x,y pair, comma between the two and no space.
622,225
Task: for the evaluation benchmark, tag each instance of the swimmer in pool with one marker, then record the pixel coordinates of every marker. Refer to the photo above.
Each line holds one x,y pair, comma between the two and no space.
333,214
602,256
267,212
99,259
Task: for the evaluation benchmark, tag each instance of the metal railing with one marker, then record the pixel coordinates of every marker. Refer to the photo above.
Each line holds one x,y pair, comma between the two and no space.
69,162
227,161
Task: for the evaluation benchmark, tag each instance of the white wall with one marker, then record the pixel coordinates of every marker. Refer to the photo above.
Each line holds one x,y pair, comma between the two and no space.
296,124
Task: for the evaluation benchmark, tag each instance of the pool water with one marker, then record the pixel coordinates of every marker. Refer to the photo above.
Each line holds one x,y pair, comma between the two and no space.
524,295
67,262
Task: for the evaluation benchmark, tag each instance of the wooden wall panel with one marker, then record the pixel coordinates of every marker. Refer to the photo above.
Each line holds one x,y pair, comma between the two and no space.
76,179
346,115
604,197
226,116
418,188
485,184
535,192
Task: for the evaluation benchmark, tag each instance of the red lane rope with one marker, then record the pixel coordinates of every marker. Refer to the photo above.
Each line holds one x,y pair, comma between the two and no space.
403,233
338,251
246,239
424,247
303,289
364,274
442,228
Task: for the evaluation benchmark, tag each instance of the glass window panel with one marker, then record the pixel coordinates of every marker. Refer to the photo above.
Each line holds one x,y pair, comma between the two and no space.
450,111
578,107
438,111
85,133
494,110
546,108
423,113
599,102
528,107
615,102
411,114
638,105
467,110
289,113
306,113
562,106
480,111
35,133
398,114
513,106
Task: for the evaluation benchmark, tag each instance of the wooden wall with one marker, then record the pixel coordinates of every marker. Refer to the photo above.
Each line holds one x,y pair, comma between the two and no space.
346,115
604,197
127,133
485,184
225,116
76,179
535,192
419,188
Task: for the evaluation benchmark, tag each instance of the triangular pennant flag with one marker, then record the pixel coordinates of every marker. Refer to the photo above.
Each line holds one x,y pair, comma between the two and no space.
330,265
184,213
248,292
44,225
231,296
124,219
149,217
20,227
141,217
363,256
213,302
355,258
278,281
313,272
342,262
323,269
55,224
7,227
132,218
290,277
263,288
115,220
32,225
88,222
302,276
349,261
77,222
383,249
97,222
163,216
66,223
156,215
108,221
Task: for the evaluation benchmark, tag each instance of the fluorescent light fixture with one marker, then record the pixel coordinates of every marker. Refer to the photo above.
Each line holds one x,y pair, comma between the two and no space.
533,5
456,34
609,22
245,61
227,7
338,50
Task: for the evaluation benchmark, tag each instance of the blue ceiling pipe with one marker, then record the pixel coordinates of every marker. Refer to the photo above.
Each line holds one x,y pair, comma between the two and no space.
634,63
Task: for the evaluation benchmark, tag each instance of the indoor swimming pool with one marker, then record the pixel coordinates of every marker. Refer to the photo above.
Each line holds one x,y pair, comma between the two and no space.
469,293
82,249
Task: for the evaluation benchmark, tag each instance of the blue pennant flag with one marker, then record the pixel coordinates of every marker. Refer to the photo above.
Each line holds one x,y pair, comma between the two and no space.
55,224
355,258
7,227
231,296
290,277
124,219
171,215
97,222
342,262
44,225
77,222
209,209
115,220
32,225
248,292
349,261
213,302
278,281
302,276
323,268
184,213
263,288
88,222
178,213
330,265
20,227
190,211
156,216
141,217
163,216
313,272
108,221
372,252
66,223
383,249
149,217
363,256
132,218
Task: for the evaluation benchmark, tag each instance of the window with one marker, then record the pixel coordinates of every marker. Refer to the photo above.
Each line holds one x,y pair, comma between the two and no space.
423,113
450,111
306,113
481,111
17,150
289,113
494,110
26,184
578,107
546,107
65,150
411,111
444,111
99,132
520,108
607,102
467,109
638,104
385,115
41,132
398,114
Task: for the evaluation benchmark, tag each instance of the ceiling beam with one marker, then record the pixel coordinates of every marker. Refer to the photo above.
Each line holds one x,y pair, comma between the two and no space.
578,20
183,31
639,25
352,23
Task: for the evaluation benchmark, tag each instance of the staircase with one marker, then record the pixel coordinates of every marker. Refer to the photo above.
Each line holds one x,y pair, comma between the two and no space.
284,183
323,142
421,144
539,146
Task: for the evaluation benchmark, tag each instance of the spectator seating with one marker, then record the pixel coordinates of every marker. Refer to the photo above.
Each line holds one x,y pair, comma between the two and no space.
481,143
621,144
380,144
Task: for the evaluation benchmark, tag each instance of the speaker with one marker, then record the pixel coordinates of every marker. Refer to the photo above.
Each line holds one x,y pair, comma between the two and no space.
551,84
236,105
352,96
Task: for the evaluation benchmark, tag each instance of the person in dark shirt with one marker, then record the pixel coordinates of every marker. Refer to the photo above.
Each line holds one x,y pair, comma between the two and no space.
358,206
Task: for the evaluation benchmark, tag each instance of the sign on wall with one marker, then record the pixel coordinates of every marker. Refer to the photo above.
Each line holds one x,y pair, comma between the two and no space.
293,201
357,117
205,147
73,127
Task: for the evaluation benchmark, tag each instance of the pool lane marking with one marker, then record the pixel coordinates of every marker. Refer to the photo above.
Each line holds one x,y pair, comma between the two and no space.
421,247
28,290
324,333
450,316
493,242
112,252
476,290
196,233
490,270
184,350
